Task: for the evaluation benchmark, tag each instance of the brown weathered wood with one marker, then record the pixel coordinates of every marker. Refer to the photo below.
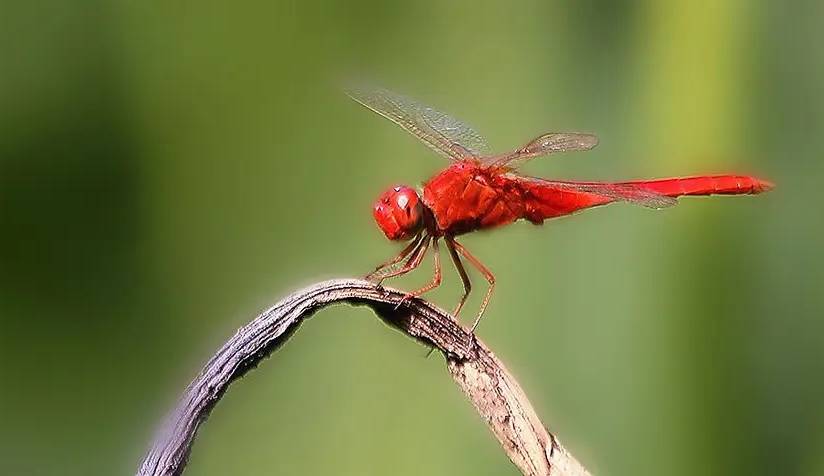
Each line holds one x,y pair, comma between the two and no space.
493,391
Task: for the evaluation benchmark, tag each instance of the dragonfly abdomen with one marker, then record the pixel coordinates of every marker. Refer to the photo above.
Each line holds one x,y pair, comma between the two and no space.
543,202
705,185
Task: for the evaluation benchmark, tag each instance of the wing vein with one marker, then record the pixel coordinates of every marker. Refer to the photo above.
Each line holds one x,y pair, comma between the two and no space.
444,134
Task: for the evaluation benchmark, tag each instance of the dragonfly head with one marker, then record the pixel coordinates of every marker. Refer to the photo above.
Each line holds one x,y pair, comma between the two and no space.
399,212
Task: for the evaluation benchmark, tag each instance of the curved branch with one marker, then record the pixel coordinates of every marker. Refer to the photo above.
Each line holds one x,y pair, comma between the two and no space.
491,388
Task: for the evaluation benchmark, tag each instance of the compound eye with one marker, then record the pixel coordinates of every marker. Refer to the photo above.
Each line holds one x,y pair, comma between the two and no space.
403,202
409,209
399,212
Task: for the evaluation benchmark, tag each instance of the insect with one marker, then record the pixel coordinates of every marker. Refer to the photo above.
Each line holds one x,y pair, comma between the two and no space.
479,190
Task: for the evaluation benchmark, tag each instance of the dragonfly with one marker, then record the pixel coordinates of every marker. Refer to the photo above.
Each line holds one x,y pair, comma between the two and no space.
479,190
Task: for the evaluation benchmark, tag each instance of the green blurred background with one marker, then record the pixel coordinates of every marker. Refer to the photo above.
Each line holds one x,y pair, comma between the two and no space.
167,169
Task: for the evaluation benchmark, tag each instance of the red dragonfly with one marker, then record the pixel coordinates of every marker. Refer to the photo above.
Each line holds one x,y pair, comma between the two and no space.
479,190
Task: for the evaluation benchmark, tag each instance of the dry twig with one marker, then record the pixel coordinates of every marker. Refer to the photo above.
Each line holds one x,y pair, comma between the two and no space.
491,388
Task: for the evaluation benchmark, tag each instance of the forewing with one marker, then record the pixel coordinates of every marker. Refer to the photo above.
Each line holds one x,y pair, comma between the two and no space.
624,192
544,144
444,134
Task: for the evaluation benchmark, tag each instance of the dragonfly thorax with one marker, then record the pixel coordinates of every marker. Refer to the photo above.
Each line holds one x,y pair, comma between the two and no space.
399,212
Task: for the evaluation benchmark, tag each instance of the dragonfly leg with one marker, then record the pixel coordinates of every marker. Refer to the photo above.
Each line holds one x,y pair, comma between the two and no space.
436,278
397,259
456,260
490,278
412,261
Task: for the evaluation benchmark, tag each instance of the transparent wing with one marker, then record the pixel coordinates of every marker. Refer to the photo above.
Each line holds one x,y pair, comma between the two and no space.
625,192
544,144
444,134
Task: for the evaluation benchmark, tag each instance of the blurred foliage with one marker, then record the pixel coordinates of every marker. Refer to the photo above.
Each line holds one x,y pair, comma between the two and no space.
169,168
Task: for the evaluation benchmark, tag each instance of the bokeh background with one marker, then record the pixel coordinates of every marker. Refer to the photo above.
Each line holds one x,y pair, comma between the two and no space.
167,169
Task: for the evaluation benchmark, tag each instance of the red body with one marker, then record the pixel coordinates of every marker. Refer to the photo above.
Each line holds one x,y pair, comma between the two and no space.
467,196
480,190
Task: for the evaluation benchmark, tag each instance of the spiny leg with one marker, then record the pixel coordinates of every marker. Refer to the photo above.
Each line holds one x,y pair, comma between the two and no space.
456,260
467,285
413,261
397,259
490,278
436,278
